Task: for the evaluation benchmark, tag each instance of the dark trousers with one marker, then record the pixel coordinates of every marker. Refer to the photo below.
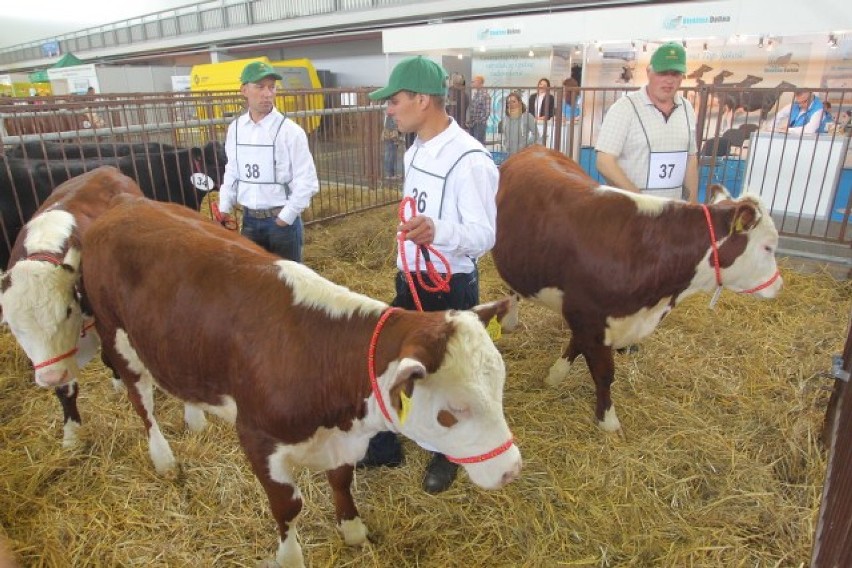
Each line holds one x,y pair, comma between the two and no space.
286,242
463,294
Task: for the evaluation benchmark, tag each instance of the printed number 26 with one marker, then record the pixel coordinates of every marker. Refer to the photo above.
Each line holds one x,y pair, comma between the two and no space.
420,198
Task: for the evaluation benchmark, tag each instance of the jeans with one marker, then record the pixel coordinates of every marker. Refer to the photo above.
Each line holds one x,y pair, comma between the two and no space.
286,242
478,132
390,158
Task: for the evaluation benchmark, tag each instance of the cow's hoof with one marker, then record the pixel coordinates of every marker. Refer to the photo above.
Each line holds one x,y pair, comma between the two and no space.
558,372
194,418
354,532
70,439
611,424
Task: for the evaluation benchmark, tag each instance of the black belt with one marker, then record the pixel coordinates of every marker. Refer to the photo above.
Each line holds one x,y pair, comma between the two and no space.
262,213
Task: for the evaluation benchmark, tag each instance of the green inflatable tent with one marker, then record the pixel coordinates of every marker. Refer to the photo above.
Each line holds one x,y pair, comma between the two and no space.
67,60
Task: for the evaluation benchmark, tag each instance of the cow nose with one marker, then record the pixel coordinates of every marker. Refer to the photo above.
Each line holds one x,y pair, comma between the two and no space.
52,378
511,475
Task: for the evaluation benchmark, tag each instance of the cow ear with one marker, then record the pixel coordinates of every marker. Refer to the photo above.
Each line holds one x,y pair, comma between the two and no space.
718,193
71,261
746,217
489,311
400,393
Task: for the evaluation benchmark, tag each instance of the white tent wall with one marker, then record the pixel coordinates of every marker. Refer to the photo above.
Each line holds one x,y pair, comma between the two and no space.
138,79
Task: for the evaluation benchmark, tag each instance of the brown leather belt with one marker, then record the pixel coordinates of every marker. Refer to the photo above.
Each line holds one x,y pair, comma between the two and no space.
262,213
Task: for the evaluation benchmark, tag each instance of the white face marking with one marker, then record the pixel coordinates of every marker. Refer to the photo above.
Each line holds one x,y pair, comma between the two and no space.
311,290
621,332
469,385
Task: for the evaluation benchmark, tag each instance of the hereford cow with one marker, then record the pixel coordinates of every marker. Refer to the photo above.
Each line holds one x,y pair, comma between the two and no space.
614,263
39,296
307,370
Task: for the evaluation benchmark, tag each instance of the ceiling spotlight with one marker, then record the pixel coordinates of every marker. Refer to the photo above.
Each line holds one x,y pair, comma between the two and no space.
461,56
531,53
832,41
482,49
760,43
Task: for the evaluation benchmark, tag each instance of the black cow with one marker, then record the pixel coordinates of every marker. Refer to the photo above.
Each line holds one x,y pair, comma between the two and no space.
46,150
177,175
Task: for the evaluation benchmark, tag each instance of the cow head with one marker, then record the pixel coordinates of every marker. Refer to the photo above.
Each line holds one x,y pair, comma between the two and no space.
747,252
458,408
208,166
39,299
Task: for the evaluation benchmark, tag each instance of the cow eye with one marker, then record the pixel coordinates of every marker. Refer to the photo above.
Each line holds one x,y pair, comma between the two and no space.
447,419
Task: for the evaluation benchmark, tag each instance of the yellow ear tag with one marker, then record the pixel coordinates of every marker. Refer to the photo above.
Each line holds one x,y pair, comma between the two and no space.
494,329
405,400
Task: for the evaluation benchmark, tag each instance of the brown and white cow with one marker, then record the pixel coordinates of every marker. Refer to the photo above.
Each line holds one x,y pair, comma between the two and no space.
270,345
614,263
39,297
39,294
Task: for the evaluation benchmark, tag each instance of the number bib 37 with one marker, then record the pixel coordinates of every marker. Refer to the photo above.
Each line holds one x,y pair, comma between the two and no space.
666,170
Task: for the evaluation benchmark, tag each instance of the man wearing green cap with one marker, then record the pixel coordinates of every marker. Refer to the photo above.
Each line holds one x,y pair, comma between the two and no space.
270,169
646,143
453,182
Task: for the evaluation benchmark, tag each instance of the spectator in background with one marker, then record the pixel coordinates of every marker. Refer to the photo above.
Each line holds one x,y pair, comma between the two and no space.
479,109
270,169
458,99
392,140
646,143
573,99
542,105
802,116
518,128
827,118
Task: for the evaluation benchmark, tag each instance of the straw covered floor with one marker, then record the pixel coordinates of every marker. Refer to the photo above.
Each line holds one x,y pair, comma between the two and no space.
721,465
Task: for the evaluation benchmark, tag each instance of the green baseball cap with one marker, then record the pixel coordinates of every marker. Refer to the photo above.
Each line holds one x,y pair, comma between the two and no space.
669,57
417,75
257,70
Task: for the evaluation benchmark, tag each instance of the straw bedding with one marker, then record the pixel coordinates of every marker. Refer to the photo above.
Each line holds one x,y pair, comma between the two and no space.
720,466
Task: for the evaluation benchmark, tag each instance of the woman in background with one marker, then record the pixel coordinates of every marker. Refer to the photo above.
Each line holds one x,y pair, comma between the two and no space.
519,127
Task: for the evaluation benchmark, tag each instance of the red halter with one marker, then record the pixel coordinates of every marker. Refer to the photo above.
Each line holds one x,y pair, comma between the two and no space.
374,384
717,267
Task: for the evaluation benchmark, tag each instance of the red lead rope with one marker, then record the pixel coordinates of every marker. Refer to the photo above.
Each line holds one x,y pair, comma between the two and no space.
439,283
374,384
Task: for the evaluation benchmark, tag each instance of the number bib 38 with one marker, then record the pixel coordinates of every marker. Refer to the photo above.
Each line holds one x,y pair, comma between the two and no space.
256,163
